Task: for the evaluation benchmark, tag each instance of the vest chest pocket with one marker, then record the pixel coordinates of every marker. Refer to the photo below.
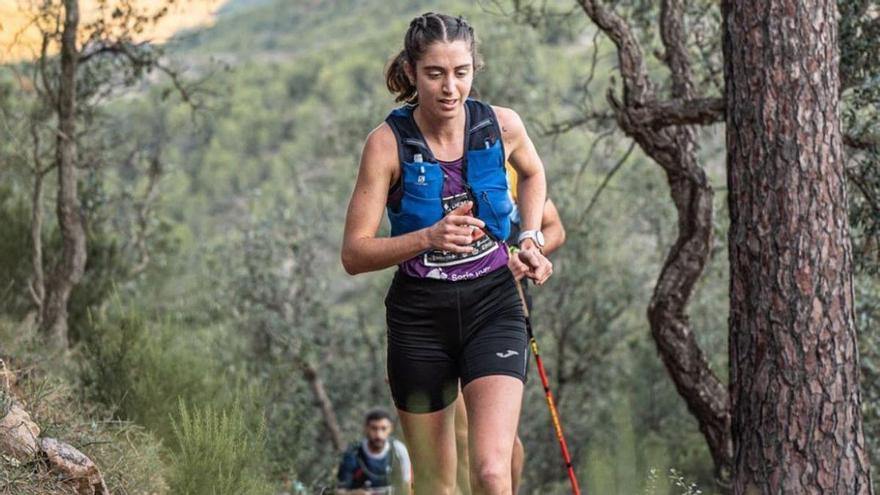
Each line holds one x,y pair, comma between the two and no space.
420,205
422,179
495,207
486,167
487,177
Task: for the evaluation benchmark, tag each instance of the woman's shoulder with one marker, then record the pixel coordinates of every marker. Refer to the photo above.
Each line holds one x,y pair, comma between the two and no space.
380,148
510,122
381,138
381,134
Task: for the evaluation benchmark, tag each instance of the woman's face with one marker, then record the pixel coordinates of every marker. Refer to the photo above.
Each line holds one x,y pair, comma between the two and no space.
443,78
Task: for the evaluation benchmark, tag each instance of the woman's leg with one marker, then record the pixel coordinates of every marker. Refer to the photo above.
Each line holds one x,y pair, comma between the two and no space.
493,405
519,459
462,470
430,439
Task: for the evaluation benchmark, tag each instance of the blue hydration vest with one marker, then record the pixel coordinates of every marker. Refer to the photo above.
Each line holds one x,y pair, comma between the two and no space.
422,178
359,470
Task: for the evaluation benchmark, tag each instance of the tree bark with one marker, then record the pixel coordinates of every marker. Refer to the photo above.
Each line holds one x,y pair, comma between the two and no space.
794,367
37,284
674,148
71,266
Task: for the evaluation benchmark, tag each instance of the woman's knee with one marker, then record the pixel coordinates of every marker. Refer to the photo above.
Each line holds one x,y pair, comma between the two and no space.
492,474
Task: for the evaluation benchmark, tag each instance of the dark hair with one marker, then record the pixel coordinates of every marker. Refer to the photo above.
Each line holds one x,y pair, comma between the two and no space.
423,31
377,414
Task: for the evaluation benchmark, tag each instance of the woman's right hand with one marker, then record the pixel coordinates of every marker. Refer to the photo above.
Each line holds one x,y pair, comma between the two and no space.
455,232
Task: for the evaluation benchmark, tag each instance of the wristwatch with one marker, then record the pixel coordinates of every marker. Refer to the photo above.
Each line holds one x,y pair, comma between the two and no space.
535,235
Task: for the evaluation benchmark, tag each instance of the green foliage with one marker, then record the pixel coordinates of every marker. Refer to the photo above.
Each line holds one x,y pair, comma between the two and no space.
864,210
104,269
217,454
15,247
104,265
139,368
859,33
868,324
277,288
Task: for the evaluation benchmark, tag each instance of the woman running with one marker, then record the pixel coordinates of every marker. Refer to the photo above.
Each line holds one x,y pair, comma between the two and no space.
453,313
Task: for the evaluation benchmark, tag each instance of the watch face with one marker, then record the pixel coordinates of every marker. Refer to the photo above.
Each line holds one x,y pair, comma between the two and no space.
540,238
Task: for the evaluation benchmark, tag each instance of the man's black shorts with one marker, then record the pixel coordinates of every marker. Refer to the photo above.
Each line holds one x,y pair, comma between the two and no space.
441,332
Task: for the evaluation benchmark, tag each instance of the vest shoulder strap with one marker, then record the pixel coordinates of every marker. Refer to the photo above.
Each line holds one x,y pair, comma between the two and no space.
409,140
483,125
483,128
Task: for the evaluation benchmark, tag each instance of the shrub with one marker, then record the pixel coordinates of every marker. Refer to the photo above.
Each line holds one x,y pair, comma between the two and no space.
140,368
217,454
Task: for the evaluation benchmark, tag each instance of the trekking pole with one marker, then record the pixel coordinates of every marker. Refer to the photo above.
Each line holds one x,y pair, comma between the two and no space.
554,414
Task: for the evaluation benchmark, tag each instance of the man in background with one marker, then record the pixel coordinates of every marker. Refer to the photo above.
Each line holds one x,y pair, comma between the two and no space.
378,464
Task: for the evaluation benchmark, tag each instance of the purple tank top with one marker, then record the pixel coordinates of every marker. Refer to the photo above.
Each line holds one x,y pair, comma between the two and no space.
487,257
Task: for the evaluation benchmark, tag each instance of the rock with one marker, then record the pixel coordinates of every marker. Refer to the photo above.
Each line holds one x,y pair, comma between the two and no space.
18,433
75,467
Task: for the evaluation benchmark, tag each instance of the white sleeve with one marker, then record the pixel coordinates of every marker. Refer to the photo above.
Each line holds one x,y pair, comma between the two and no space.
405,465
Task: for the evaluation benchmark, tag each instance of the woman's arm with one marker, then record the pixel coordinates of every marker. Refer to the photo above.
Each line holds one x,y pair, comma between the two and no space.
551,226
522,155
531,190
362,251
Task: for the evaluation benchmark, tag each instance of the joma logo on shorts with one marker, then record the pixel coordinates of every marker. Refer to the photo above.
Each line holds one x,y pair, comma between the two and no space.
507,354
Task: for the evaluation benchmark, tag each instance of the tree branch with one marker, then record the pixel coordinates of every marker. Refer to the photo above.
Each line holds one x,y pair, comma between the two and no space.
860,143
865,190
658,114
567,125
154,174
605,181
676,57
636,85
96,49
664,132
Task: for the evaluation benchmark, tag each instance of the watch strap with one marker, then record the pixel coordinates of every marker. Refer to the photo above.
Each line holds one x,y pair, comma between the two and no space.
534,235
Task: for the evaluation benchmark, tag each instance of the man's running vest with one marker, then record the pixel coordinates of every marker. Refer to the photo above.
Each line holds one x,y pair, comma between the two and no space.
422,178
375,473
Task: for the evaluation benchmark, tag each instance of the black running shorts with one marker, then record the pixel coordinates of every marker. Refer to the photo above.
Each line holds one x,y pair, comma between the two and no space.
441,332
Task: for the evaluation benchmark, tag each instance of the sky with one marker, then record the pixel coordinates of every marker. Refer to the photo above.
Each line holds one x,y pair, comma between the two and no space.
18,41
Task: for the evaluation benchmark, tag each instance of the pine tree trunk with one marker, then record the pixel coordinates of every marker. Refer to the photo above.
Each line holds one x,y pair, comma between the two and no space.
794,376
71,266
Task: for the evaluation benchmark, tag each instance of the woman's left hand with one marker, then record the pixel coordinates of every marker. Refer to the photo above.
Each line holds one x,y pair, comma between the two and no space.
517,267
539,267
